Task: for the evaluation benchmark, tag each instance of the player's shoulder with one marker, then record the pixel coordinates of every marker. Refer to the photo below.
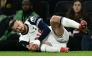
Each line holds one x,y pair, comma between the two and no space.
33,18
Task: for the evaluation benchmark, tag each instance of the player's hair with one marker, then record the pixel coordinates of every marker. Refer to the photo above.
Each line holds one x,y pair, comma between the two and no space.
11,23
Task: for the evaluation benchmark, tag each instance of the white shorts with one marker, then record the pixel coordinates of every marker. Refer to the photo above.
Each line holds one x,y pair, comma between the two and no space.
57,41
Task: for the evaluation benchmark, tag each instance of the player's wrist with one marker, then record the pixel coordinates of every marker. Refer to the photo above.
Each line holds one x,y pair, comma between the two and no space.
36,42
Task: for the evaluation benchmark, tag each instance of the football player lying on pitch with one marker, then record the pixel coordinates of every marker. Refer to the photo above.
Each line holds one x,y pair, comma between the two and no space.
36,35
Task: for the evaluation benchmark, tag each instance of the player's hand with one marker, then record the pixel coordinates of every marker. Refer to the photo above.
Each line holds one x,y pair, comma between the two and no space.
33,47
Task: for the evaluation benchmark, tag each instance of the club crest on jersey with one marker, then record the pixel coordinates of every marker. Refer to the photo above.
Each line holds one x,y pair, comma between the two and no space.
33,19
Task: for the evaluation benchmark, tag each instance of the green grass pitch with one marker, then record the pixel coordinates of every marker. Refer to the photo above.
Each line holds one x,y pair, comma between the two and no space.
28,53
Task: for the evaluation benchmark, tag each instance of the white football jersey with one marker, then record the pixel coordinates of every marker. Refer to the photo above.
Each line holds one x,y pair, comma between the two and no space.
34,24
33,33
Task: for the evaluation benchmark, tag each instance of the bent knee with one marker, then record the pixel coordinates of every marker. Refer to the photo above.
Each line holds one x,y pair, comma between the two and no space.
55,19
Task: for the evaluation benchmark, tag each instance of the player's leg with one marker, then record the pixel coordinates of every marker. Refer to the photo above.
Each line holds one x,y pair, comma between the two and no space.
56,21
52,44
48,48
56,27
59,31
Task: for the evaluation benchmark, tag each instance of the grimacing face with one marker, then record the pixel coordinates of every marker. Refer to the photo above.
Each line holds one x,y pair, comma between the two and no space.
77,6
18,26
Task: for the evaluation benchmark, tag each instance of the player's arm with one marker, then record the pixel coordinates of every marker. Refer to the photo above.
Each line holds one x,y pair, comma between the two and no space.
32,45
41,25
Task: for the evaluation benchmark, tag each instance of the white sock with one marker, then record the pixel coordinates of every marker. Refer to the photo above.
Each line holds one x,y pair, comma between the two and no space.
69,23
46,48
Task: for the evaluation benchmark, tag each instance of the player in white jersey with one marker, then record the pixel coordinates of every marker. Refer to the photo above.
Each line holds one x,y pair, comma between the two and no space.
36,35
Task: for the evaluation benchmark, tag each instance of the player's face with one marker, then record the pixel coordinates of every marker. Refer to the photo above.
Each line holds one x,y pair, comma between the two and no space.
77,6
18,27
26,5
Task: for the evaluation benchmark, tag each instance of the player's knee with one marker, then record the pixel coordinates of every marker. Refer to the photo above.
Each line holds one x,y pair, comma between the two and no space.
55,19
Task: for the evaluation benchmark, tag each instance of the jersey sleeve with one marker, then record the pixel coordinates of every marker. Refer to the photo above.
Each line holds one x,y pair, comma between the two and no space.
34,20
41,25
